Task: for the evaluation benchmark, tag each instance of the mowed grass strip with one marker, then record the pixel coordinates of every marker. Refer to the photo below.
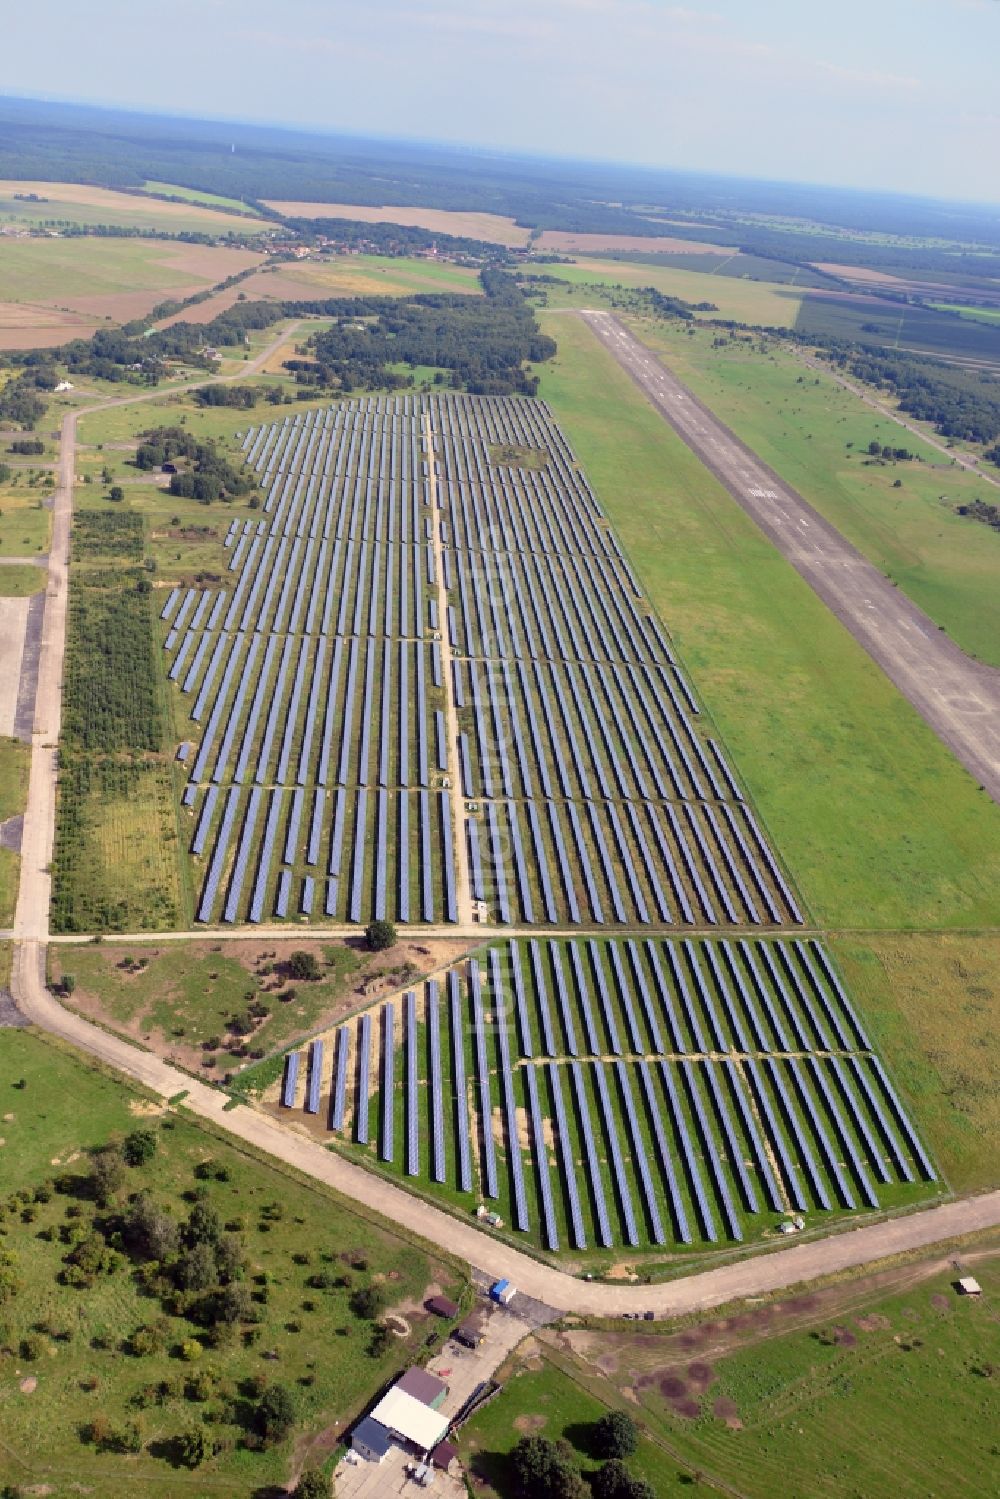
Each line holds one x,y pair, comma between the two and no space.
877,821
815,434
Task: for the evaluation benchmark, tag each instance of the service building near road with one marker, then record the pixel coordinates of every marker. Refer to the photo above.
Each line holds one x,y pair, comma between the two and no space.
407,1415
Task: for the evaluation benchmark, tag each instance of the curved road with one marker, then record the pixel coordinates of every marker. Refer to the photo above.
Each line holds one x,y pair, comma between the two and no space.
958,697
755,1275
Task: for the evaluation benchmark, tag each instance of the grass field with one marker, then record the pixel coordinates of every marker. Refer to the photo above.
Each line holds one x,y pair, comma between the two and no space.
802,424
879,1386
14,762
932,1002
193,195
82,203
539,1400
977,314
492,227
183,994
55,1107
24,521
761,302
20,582
877,822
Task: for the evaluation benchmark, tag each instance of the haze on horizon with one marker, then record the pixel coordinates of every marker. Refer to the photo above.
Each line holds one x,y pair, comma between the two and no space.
891,95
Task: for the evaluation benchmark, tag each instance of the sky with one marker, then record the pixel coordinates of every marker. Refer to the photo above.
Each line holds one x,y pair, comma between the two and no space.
901,95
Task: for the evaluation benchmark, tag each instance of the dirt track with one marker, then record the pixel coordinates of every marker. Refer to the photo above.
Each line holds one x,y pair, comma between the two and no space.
959,698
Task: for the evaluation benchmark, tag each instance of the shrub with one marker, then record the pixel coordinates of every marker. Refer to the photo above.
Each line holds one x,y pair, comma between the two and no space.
138,1148
615,1435
275,1414
194,1447
312,1485
380,935
368,1302
303,965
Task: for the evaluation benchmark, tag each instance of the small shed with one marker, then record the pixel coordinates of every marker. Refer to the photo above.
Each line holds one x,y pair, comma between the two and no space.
968,1286
444,1455
370,1440
423,1386
442,1307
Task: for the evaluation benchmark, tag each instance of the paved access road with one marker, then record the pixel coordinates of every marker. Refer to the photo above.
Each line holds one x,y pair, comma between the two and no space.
958,697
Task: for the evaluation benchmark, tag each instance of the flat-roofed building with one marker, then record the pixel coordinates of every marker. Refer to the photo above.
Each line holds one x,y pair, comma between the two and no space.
410,1419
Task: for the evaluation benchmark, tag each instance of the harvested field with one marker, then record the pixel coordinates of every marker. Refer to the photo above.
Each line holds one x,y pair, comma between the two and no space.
33,325
82,203
493,227
58,289
340,276
567,242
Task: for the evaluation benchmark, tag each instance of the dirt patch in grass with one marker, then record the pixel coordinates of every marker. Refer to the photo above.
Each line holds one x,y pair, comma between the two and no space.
526,1425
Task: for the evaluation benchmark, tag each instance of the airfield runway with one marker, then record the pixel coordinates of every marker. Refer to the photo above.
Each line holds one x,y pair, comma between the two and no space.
958,697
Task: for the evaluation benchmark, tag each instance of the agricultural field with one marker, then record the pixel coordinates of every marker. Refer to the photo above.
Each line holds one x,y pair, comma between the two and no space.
978,314
816,434
768,304
610,1097
838,1391
338,276
879,825
193,195
568,242
57,283
115,1355
492,227
83,203
874,321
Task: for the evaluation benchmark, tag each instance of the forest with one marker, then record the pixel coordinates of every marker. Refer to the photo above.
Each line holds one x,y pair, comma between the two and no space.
960,403
484,341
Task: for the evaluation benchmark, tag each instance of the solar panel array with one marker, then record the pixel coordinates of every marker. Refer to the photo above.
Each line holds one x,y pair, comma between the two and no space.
318,694
670,1091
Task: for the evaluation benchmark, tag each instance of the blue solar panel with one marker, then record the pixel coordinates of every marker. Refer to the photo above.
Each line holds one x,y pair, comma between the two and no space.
291,1080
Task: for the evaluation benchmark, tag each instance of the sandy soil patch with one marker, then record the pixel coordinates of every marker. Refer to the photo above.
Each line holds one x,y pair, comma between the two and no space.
621,1271
28,1386
565,242
494,227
